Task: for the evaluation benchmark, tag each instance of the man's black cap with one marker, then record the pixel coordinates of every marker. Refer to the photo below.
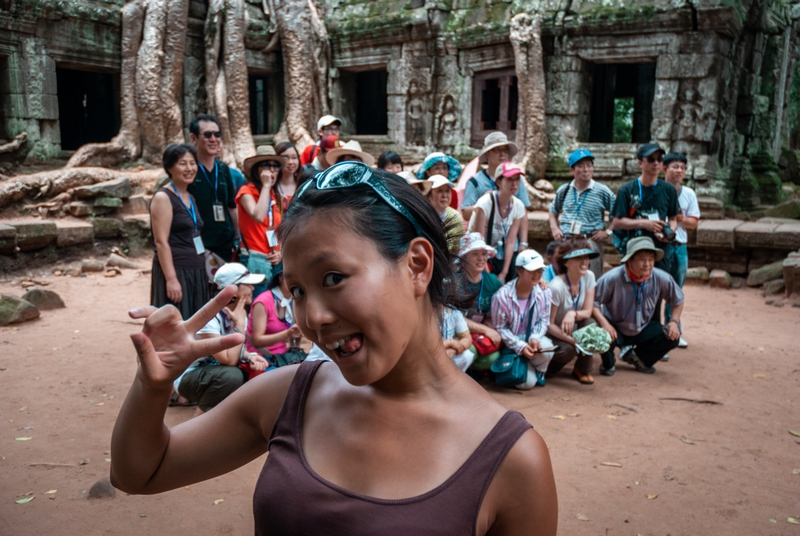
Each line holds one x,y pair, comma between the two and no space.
647,149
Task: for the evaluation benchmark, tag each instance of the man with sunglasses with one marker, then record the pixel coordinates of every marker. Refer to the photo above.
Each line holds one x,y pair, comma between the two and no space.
647,206
213,188
327,126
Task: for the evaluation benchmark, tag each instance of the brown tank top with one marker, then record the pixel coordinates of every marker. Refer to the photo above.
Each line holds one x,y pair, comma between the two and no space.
290,498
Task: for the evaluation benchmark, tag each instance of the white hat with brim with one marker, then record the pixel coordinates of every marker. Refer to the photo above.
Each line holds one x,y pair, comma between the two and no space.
411,179
531,260
353,148
437,181
233,273
641,243
474,241
263,154
497,139
327,120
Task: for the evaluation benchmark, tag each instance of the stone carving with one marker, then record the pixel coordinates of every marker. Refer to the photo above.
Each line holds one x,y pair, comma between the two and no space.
448,125
526,40
697,119
415,108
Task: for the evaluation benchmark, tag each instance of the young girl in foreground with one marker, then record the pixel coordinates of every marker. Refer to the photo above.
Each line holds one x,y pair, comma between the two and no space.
391,438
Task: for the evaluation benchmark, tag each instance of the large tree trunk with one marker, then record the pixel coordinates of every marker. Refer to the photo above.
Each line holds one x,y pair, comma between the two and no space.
526,40
226,77
153,41
304,42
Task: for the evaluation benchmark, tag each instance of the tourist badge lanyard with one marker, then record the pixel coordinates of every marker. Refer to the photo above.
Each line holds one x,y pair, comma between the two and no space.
650,214
502,220
639,296
528,316
575,226
575,299
219,210
197,239
479,316
272,237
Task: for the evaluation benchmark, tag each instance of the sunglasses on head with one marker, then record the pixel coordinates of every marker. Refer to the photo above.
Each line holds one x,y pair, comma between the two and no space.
208,133
349,174
654,159
270,164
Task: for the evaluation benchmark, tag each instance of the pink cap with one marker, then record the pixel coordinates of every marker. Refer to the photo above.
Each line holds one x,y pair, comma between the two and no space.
508,169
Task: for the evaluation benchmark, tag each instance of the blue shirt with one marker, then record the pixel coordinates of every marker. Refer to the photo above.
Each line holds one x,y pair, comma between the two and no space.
481,183
549,273
587,207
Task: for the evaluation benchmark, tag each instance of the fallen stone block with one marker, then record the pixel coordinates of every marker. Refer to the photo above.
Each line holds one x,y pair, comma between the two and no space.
44,300
141,221
122,262
120,187
102,489
108,202
697,276
787,236
789,209
769,272
717,233
755,235
91,265
774,288
106,227
14,310
791,273
8,238
71,233
139,204
720,279
34,234
80,209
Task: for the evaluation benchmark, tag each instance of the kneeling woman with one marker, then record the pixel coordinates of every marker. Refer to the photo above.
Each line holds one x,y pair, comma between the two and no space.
389,438
573,298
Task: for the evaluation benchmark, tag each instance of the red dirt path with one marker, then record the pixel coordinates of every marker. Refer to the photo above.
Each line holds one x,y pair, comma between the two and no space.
716,469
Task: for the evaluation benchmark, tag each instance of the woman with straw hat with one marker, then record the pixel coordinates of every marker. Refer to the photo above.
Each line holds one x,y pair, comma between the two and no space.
350,151
260,211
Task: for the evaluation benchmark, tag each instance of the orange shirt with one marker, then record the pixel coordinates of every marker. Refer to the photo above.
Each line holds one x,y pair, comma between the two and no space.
254,234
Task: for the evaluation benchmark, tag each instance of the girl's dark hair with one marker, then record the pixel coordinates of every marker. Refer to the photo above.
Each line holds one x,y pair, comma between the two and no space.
568,246
361,209
305,173
255,174
173,153
389,157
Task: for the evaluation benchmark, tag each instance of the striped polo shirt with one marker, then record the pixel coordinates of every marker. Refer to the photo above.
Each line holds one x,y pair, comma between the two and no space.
587,207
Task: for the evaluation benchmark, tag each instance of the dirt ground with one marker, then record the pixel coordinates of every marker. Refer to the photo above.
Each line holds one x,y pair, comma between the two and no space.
626,460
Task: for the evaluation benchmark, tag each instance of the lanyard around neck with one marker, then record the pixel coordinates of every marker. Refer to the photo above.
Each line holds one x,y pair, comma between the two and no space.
190,209
508,213
641,195
583,199
575,299
216,178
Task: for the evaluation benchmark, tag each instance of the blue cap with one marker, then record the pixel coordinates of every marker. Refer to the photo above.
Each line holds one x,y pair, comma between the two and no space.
579,155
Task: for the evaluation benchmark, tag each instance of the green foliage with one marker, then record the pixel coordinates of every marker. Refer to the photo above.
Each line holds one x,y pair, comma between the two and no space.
593,338
623,120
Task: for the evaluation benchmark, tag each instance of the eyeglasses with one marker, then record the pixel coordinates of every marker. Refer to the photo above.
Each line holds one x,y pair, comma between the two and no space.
270,164
654,159
207,134
349,174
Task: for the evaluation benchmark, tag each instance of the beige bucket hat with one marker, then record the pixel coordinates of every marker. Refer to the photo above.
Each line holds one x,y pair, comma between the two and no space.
352,147
641,243
497,139
263,153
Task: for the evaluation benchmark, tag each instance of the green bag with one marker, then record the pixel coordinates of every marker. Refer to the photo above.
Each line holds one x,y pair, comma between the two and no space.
510,369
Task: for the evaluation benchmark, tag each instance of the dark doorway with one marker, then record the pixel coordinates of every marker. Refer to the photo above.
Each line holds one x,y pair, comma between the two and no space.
88,107
622,102
494,104
266,103
371,102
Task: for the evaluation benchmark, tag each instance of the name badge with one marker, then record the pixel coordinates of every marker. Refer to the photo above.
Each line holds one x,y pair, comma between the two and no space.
219,212
198,244
575,228
639,317
653,216
272,239
477,318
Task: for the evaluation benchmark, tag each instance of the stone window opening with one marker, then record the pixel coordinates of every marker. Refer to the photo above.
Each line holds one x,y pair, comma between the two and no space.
266,102
622,102
88,107
364,102
494,104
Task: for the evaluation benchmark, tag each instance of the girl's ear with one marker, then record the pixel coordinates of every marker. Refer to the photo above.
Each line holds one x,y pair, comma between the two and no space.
420,265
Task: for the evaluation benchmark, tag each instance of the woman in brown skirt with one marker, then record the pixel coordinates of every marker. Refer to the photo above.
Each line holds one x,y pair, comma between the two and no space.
179,275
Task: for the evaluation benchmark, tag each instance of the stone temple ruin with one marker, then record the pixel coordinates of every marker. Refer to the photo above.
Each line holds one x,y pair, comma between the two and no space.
715,79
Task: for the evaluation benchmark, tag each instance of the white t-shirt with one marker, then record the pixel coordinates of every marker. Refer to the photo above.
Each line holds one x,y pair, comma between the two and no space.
690,208
453,322
215,326
563,300
501,226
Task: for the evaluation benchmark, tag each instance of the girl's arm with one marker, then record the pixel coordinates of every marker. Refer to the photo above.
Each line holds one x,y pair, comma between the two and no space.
477,222
147,456
260,338
556,330
257,211
161,223
508,248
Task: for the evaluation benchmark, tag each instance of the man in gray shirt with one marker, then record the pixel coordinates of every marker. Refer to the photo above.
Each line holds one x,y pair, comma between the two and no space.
626,304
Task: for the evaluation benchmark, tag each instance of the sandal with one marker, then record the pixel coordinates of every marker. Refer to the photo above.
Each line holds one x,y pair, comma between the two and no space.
585,379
